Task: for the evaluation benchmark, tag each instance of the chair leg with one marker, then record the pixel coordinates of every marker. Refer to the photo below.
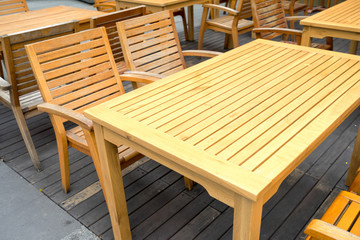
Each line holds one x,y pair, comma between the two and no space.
235,39
183,16
1,66
226,41
188,183
20,119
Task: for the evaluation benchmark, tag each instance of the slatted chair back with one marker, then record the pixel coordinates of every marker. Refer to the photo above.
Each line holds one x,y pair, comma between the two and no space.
268,14
18,68
150,44
109,22
13,6
76,72
105,5
244,7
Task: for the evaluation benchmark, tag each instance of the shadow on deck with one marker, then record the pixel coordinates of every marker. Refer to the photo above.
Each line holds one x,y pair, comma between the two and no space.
159,206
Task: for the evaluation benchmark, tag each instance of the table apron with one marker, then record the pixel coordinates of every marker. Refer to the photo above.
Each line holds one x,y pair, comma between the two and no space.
160,8
319,32
214,189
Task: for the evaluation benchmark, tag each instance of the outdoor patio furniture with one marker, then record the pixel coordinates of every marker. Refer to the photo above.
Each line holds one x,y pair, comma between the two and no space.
264,14
74,73
21,92
232,24
150,44
161,5
341,220
238,124
338,21
109,22
105,5
13,6
322,5
293,7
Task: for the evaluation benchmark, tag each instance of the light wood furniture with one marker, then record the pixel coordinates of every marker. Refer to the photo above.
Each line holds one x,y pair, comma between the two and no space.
270,22
46,17
339,21
109,22
232,24
13,6
105,5
322,6
238,123
341,220
21,93
161,5
293,7
74,73
150,44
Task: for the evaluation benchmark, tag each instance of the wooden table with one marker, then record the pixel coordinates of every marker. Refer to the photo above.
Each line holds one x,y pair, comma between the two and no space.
45,17
341,21
161,5
238,124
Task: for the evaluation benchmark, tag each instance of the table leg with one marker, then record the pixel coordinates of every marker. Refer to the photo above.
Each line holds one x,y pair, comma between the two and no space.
306,39
355,161
353,47
113,184
247,218
191,22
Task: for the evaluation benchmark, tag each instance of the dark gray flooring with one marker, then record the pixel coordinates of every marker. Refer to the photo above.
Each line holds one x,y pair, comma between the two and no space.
159,205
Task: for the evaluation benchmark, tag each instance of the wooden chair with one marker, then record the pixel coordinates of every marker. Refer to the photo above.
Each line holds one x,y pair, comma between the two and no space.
232,24
13,6
264,15
150,44
342,219
21,92
105,5
74,73
322,6
109,22
293,7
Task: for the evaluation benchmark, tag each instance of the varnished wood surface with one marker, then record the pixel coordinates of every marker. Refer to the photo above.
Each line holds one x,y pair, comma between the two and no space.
44,17
157,196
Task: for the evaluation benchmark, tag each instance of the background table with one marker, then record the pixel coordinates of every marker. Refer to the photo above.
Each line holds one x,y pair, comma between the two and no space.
341,21
238,124
46,17
161,5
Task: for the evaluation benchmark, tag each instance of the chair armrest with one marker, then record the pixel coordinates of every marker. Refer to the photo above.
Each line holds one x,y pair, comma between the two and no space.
278,30
4,85
67,114
222,8
201,53
295,18
323,230
137,76
105,5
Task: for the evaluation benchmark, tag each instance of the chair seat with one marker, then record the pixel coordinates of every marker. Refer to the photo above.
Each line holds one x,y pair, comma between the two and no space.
297,7
76,137
226,22
28,102
344,213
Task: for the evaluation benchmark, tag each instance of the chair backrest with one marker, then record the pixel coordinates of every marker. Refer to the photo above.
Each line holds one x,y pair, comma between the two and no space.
109,22
268,14
18,68
76,71
13,6
243,6
101,5
150,44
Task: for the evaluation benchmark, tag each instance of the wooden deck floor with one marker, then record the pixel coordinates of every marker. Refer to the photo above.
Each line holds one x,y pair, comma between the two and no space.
159,205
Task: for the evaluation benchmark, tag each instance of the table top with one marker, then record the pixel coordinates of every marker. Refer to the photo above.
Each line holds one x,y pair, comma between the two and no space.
244,119
344,16
44,17
159,3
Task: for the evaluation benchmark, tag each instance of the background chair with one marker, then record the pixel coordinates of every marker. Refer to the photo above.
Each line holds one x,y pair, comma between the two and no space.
74,73
264,13
232,24
109,22
322,6
21,92
13,6
342,219
293,7
105,5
